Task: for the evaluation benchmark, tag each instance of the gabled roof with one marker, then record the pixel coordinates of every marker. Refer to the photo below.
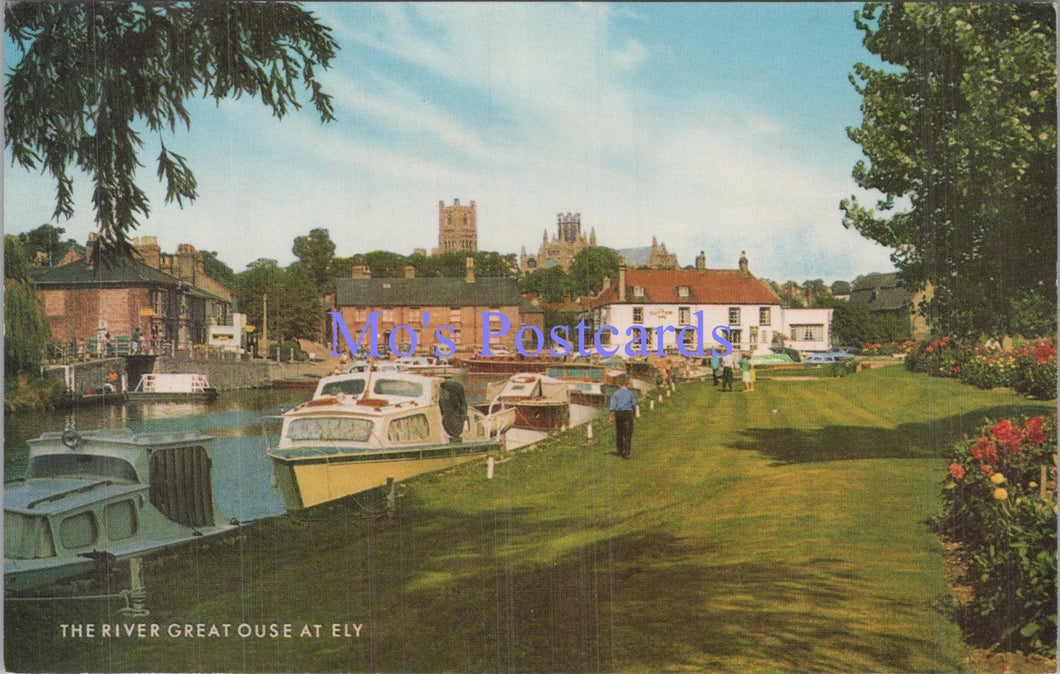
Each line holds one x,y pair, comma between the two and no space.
121,272
705,286
881,292
439,292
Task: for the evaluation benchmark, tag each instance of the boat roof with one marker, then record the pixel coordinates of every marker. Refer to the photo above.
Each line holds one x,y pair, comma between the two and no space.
51,495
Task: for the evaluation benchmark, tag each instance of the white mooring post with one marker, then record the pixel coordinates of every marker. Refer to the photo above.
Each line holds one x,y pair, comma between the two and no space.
391,496
651,404
589,431
636,413
490,462
137,591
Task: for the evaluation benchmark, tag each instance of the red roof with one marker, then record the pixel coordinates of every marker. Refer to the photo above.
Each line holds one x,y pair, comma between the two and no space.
708,286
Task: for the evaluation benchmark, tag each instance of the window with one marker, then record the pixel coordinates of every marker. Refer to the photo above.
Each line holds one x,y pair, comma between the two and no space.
638,291
753,334
397,387
412,428
809,332
78,531
764,316
349,386
329,428
683,291
690,340
454,315
684,315
736,338
638,315
120,519
734,315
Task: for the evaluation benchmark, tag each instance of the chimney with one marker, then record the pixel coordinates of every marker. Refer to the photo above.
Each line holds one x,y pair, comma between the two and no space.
701,261
410,271
743,263
469,273
361,271
621,279
606,284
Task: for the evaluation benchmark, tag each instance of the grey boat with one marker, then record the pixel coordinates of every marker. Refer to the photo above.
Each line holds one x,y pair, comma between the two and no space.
98,496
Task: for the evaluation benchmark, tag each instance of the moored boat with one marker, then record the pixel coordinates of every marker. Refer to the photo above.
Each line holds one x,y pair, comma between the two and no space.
362,430
298,381
101,495
172,388
589,384
540,402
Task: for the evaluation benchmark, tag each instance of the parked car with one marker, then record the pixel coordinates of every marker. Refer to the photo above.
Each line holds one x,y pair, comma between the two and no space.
850,350
829,358
792,353
761,359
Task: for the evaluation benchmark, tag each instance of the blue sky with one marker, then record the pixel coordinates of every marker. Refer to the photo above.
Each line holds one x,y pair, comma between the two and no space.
715,127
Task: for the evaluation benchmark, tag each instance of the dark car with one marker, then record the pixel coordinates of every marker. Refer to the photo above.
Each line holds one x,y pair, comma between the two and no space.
795,356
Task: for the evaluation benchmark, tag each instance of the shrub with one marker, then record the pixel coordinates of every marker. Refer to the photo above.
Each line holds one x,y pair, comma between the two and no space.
989,368
285,351
941,357
996,505
1036,371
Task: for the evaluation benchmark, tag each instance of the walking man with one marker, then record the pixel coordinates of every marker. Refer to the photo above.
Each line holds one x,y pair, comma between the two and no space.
623,403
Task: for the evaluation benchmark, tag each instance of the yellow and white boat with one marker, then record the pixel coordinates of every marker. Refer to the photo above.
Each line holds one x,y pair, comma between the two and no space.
362,430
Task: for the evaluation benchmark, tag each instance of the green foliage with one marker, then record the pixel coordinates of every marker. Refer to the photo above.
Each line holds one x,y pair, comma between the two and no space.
316,251
995,504
959,129
589,267
854,324
27,332
550,284
1036,371
1029,370
88,75
30,391
294,308
287,351
841,288
48,240
216,269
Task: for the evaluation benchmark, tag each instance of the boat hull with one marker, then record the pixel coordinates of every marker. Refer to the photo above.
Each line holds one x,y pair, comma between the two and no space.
307,477
208,395
541,416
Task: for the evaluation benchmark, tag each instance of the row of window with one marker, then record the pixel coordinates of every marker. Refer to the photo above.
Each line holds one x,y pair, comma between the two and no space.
684,316
82,530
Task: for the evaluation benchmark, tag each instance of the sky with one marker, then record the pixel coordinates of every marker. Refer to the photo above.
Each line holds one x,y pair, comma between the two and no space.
715,127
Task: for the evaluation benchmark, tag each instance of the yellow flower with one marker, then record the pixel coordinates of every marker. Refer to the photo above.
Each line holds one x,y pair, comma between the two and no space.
997,478
1000,494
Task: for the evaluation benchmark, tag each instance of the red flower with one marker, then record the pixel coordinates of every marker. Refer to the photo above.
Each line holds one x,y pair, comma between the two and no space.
1007,434
957,471
988,470
1034,431
984,450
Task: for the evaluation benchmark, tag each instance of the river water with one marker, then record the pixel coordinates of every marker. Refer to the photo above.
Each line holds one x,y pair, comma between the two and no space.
242,472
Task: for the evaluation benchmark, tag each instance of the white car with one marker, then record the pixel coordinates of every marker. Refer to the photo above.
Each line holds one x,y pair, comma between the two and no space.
827,358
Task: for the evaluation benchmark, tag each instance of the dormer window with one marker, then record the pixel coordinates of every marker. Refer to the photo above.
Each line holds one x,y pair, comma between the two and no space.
638,291
683,291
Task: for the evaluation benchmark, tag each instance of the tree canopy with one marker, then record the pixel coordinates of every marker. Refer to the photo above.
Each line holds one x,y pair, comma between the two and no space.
92,77
589,267
26,329
959,131
317,252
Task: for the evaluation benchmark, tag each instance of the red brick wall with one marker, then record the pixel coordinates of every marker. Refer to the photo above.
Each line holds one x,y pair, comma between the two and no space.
80,311
468,338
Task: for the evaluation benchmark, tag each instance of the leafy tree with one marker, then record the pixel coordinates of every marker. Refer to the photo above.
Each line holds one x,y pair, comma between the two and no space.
854,324
842,288
589,267
316,251
26,329
293,303
216,269
959,129
91,76
46,239
550,284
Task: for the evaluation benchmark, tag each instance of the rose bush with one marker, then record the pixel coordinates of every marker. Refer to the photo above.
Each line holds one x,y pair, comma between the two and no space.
1036,370
999,502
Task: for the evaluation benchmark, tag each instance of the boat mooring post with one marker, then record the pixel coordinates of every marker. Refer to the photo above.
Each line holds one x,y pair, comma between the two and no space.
651,404
391,495
589,431
490,462
137,592
636,412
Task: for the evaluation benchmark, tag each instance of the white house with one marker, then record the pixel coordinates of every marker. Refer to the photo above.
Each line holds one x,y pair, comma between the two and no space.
656,298
807,329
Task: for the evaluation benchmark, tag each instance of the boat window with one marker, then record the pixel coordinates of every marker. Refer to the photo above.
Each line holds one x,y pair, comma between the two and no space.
78,531
409,429
398,387
329,428
348,386
121,520
55,465
27,536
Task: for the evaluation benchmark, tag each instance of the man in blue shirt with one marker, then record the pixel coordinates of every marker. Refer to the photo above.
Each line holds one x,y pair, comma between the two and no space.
623,403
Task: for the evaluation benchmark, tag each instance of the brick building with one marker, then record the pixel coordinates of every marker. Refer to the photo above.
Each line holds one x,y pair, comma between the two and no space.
422,305
83,298
457,228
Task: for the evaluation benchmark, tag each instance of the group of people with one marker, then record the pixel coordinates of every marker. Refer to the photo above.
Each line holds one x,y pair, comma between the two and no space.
723,370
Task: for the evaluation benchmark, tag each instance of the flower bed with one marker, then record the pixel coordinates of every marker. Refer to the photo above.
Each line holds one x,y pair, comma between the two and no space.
1030,370
999,502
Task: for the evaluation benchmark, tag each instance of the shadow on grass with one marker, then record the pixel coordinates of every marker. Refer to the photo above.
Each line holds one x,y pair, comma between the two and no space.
932,439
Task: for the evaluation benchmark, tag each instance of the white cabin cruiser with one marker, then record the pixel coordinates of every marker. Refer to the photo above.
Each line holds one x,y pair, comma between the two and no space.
362,430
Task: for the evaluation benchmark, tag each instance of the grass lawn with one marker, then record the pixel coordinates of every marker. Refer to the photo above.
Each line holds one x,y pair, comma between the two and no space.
782,529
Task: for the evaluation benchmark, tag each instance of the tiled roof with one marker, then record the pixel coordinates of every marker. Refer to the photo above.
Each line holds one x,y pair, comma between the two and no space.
438,292
709,286
121,272
881,292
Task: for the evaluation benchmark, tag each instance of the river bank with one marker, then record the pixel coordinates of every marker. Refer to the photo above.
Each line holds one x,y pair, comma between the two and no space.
782,529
